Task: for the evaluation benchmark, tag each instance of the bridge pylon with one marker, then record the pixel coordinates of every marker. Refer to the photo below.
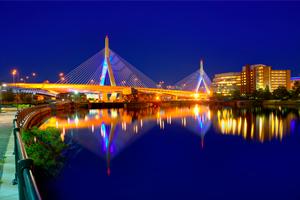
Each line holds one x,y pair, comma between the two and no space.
107,67
202,79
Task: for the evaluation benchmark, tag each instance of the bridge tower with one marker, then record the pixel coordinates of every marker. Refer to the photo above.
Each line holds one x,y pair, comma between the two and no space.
107,66
202,79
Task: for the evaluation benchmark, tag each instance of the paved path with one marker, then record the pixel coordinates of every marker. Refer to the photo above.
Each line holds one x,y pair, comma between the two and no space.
7,159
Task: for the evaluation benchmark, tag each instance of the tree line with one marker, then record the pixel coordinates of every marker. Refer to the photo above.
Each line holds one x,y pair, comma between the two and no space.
281,93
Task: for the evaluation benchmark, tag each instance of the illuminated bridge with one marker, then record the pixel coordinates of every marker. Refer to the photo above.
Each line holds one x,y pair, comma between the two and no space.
111,77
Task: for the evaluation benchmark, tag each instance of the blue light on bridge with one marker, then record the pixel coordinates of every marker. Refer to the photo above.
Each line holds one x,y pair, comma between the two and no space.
104,72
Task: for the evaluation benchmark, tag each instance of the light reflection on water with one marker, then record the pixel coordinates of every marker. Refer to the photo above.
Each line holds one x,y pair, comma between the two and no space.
115,129
256,124
169,153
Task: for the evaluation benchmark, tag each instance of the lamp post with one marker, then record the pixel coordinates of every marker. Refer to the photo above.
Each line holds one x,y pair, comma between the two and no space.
33,76
61,77
14,72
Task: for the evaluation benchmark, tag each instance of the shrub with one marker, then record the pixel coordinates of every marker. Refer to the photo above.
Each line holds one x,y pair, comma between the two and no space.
45,147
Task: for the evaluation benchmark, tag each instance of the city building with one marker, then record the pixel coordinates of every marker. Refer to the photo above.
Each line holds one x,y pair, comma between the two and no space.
246,80
255,77
280,78
226,83
294,80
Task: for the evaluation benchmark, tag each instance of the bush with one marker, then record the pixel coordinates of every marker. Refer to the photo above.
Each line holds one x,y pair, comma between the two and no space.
45,147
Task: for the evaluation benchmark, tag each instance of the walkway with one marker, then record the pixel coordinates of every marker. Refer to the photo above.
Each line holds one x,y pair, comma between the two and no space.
7,159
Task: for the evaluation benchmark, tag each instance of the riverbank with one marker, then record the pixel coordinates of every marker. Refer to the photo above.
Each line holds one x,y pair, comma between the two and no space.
8,191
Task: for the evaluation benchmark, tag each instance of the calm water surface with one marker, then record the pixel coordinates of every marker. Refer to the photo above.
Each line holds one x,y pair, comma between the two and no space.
178,153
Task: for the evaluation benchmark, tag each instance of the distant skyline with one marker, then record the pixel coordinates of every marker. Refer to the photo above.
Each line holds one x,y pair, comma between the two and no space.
164,40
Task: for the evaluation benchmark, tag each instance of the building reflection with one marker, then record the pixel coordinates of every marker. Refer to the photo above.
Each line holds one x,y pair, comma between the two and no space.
256,124
107,132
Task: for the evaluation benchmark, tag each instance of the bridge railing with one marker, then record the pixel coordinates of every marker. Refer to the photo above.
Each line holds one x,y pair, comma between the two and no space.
27,186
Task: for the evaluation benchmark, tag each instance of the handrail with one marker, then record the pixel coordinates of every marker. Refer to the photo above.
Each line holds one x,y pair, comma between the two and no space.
28,189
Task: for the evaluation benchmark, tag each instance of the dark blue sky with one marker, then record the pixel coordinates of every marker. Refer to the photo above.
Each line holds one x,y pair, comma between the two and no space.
165,40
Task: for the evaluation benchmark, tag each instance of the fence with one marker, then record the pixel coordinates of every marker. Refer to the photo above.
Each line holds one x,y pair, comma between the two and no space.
24,178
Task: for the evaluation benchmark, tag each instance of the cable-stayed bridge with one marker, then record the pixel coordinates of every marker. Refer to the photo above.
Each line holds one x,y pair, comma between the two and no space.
109,75
107,68
197,81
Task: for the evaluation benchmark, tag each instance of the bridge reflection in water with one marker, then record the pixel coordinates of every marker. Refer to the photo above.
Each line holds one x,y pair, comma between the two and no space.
115,129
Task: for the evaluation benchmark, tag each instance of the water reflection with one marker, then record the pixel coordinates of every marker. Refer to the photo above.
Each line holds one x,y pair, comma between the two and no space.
107,132
256,124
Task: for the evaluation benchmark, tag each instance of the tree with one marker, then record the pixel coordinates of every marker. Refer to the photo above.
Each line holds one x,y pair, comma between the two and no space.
256,94
296,90
26,98
236,94
281,93
8,96
267,94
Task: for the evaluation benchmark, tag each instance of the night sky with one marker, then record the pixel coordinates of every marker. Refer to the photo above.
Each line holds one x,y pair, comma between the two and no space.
165,40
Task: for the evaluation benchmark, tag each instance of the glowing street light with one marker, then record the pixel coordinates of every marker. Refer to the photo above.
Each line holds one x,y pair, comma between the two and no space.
14,73
34,75
61,74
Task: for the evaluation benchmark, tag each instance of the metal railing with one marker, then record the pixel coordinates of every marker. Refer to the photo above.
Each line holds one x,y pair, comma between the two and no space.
24,178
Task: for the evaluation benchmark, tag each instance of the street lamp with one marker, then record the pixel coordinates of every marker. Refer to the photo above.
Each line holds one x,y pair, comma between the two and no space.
33,75
14,72
61,76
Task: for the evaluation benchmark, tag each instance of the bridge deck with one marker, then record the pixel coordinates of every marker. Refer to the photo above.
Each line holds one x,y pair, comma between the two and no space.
86,88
